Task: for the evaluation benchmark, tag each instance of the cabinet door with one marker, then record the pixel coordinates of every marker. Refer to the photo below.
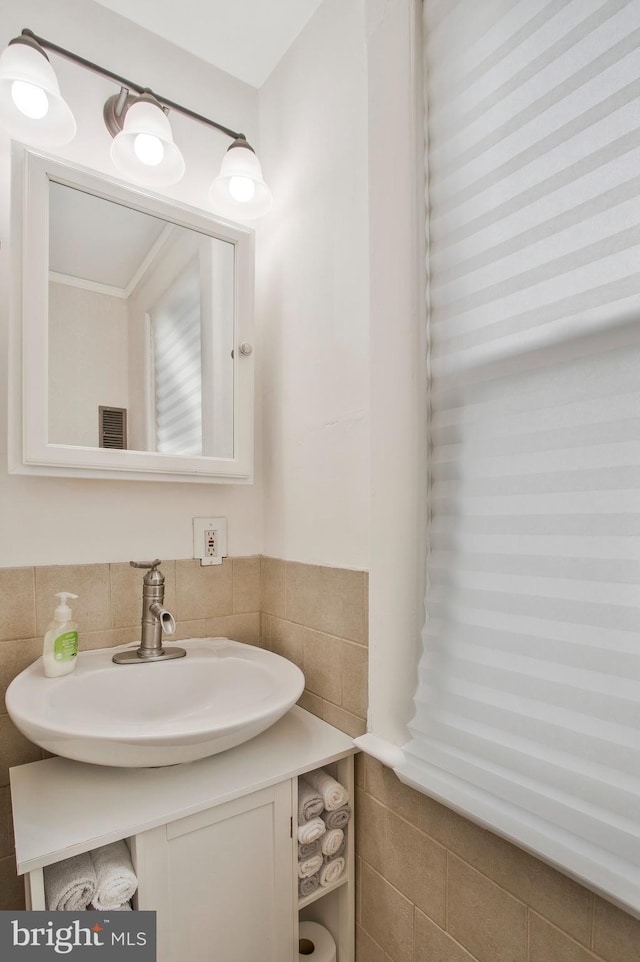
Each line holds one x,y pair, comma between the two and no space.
222,882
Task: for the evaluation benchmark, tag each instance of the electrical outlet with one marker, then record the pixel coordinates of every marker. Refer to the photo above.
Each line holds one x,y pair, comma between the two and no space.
210,540
210,543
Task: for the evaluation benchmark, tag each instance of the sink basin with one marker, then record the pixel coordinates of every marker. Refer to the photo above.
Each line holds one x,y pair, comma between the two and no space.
135,716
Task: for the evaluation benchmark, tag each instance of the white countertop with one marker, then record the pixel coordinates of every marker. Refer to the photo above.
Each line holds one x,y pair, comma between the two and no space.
62,807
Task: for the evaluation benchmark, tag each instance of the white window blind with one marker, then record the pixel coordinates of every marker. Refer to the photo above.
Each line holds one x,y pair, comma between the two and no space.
527,709
176,335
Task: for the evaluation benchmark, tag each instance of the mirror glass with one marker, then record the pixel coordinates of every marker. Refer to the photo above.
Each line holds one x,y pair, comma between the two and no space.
140,330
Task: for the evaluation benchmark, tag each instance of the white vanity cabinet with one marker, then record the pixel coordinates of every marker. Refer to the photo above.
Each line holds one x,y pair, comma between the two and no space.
213,842
221,881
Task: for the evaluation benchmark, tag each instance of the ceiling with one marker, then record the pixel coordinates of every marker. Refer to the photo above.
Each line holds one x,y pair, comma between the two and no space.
97,240
246,38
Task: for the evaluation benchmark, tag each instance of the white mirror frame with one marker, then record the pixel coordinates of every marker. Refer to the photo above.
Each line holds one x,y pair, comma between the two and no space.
29,451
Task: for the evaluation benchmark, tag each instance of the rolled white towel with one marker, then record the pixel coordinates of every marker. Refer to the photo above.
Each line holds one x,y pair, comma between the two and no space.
332,870
309,866
310,801
70,885
126,907
311,830
340,851
116,880
332,841
333,793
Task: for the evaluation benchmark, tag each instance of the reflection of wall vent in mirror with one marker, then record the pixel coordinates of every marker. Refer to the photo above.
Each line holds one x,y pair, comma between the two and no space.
113,427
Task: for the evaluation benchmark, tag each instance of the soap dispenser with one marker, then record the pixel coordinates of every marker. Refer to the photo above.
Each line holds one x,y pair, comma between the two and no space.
60,649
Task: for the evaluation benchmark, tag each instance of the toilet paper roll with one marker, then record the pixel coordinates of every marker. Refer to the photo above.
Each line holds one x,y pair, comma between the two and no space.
316,943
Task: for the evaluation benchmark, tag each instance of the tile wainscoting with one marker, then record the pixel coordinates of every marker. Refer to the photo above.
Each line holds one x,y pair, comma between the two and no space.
432,886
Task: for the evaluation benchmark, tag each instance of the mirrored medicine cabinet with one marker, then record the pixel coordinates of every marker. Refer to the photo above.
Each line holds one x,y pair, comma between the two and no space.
131,332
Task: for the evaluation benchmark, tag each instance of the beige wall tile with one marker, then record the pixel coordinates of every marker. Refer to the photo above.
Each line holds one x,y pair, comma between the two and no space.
92,584
411,861
370,825
386,915
265,630
203,592
486,920
416,866
18,612
434,945
344,720
90,640
472,843
191,629
384,784
244,628
126,595
321,665
616,934
246,585
311,703
549,944
273,586
15,749
15,656
458,834
366,948
6,824
126,592
354,672
11,887
551,894
288,640
365,605
328,599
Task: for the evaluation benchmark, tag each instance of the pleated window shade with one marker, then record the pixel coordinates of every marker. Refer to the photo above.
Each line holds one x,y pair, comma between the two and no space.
176,339
527,710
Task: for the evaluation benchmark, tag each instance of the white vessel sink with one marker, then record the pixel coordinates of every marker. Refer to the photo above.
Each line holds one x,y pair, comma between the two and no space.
135,716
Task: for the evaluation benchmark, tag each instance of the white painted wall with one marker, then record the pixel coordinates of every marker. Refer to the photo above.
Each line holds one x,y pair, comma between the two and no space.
341,285
88,361
313,294
338,349
60,521
398,361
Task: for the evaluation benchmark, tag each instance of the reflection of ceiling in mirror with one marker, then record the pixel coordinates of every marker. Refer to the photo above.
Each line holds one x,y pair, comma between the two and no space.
96,239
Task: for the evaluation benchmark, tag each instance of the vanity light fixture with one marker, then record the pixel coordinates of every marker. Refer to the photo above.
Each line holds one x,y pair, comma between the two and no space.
31,105
143,148
240,181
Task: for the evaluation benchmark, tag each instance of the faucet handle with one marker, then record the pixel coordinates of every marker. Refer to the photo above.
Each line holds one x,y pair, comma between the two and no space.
146,564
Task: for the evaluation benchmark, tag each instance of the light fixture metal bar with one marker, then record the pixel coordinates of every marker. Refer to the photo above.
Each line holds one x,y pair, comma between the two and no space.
129,84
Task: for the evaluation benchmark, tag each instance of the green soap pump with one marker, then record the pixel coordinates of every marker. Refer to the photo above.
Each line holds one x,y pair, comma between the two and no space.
60,650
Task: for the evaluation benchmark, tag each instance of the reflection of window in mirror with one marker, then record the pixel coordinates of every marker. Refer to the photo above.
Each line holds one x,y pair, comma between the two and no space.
176,379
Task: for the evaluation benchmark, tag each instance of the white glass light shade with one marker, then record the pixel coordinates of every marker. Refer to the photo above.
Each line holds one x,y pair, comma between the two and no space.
31,107
144,150
239,190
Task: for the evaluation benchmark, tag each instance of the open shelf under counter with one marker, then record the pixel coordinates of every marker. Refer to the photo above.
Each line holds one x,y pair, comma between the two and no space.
333,906
322,891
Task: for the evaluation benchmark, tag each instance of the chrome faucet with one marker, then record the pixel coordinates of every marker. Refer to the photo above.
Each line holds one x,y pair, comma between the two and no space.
155,620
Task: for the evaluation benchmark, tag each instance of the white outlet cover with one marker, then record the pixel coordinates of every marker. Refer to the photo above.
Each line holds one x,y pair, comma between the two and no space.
200,525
